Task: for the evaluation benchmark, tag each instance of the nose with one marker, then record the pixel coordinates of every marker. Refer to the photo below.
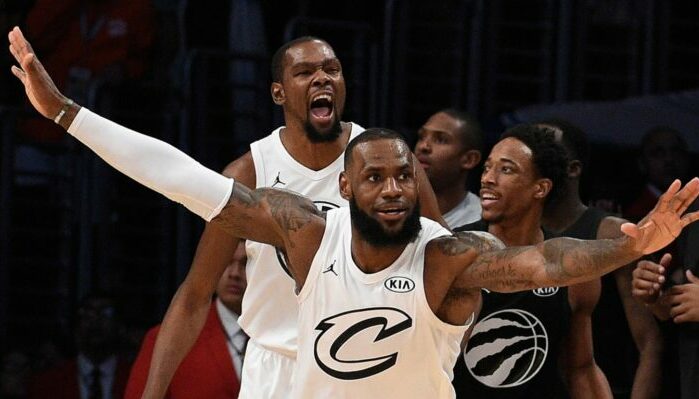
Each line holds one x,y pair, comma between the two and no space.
391,188
236,270
488,177
423,146
321,78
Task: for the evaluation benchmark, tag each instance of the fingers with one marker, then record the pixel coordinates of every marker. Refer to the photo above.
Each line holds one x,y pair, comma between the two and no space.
29,64
648,275
686,196
691,277
20,74
647,279
666,199
689,218
677,310
666,260
19,46
630,229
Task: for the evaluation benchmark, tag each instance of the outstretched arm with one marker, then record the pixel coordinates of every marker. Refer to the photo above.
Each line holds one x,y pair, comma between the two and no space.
265,215
566,261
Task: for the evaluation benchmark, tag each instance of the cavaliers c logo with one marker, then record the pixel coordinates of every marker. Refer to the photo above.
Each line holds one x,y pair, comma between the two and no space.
356,344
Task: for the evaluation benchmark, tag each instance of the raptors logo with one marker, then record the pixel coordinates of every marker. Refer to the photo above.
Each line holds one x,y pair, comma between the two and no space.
506,349
323,206
357,344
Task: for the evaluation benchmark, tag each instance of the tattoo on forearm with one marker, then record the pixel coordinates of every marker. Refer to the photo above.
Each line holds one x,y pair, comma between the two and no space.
500,267
464,241
291,211
556,262
567,258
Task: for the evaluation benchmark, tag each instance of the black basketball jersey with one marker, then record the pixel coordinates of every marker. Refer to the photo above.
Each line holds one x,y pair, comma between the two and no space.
615,352
516,343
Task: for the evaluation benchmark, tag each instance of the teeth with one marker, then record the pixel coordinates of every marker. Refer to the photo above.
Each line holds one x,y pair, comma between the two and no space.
324,97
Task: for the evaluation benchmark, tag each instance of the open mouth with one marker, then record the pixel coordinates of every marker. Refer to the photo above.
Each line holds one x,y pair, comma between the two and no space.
488,198
392,213
322,107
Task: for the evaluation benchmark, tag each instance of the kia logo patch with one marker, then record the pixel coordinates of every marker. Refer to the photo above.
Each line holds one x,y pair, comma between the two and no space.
399,284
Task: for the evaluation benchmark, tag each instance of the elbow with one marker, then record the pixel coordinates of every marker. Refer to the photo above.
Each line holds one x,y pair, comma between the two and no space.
190,298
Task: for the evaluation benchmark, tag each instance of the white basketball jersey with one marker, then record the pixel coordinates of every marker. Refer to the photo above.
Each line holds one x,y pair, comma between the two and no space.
270,310
371,335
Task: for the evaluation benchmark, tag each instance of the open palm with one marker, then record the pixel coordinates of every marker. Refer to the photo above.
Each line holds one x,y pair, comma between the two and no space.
665,222
41,90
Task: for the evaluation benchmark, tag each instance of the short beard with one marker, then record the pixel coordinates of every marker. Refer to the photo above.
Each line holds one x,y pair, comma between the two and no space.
372,232
317,137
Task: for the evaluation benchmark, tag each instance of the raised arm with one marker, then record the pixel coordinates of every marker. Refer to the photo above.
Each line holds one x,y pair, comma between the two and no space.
266,215
566,261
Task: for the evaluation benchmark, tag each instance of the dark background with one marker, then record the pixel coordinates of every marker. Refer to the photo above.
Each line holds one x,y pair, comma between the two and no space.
80,227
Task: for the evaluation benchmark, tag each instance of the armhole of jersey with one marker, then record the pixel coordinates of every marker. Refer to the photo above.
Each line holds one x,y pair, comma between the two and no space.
355,130
318,261
259,164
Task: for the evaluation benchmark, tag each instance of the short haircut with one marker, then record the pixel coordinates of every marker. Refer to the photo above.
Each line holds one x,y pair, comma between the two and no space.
549,157
372,134
278,57
573,139
471,132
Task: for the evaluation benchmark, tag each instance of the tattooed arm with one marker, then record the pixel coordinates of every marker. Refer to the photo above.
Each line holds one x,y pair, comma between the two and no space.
566,261
277,217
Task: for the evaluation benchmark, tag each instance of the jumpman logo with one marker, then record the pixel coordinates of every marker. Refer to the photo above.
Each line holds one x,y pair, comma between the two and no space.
277,180
330,269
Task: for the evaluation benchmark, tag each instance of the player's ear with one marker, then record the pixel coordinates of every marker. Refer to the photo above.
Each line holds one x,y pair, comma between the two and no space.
278,95
470,159
543,188
345,187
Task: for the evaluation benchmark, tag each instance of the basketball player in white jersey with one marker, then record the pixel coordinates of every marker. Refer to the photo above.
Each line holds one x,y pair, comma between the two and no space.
385,296
303,156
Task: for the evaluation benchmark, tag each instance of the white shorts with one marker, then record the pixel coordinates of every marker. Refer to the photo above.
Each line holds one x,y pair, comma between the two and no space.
266,374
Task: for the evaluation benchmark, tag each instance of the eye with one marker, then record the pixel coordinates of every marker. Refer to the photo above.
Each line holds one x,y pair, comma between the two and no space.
374,178
486,167
403,176
507,169
333,70
304,72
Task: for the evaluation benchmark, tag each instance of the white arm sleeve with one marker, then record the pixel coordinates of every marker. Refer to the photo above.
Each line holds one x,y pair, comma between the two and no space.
154,163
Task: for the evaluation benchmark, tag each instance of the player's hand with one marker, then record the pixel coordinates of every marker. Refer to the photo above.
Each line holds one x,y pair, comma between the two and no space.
665,222
648,278
684,300
41,90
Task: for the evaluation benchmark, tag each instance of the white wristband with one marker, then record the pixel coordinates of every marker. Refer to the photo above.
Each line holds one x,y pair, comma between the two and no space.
65,107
